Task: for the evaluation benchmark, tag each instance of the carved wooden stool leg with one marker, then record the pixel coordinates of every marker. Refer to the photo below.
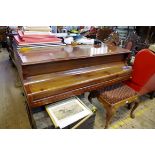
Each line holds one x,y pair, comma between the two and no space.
133,109
129,106
109,114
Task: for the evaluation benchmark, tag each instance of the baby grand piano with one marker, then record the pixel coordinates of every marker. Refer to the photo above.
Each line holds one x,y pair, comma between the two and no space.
50,74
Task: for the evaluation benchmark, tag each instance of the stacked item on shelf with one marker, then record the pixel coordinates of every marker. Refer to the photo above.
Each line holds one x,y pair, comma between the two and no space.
36,36
2,32
37,28
2,35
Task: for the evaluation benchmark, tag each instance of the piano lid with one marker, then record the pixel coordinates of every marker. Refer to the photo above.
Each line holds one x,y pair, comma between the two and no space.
59,53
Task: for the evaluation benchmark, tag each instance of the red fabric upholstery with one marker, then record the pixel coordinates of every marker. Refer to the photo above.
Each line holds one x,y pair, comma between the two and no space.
143,69
149,86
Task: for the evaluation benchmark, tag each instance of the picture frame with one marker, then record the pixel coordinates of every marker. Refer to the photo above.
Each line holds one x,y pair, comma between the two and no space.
68,111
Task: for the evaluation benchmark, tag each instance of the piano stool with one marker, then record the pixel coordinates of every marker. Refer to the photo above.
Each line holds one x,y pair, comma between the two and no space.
114,96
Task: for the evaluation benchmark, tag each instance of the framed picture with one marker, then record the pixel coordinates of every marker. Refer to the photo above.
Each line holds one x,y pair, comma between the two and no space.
68,111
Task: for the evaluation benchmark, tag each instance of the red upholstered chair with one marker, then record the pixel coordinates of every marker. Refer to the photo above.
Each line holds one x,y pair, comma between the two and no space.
143,72
142,81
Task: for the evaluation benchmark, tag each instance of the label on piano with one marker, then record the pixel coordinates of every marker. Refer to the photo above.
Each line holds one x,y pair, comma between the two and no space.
127,67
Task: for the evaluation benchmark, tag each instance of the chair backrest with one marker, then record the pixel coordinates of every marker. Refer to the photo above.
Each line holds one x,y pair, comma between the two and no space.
149,86
143,67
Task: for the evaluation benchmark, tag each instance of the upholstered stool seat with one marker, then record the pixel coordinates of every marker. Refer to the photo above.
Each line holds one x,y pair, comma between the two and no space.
116,93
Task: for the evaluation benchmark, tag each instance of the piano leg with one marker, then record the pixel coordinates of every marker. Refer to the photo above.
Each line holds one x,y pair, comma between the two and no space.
90,98
92,95
31,120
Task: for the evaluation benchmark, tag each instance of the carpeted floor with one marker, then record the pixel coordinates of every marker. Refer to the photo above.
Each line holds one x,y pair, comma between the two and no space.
13,112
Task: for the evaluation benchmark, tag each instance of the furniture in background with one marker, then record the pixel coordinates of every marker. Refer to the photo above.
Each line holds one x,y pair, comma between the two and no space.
147,33
3,30
92,32
103,34
141,82
113,39
119,35
123,31
135,43
131,41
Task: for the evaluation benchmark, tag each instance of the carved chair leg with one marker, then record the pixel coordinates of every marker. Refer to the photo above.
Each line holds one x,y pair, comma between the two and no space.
133,109
151,95
109,114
